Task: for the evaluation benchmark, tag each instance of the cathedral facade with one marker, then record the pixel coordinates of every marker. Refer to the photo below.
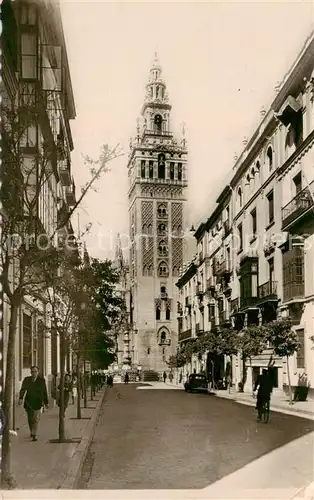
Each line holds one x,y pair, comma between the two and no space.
157,171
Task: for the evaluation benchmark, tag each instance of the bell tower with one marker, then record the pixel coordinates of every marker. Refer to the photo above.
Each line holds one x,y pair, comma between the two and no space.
157,171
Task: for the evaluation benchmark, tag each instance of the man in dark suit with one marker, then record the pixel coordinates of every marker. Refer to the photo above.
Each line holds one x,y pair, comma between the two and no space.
36,397
265,387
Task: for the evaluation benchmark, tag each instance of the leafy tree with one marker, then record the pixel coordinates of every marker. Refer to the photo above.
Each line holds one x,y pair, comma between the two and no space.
285,342
26,244
253,340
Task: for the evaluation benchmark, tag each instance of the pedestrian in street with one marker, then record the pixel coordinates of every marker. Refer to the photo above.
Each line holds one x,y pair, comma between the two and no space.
35,391
180,378
165,377
74,387
126,378
110,381
67,390
265,388
171,377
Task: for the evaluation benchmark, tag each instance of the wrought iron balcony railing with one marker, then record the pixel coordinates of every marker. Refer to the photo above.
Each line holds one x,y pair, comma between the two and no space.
248,302
185,335
298,206
267,290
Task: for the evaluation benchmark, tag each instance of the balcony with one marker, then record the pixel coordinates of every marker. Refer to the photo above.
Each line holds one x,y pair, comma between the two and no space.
293,290
222,268
179,309
298,207
64,173
248,302
210,283
164,133
199,330
188,301
224,318
164,342
267,291
187,334
199,289
234,305
227,227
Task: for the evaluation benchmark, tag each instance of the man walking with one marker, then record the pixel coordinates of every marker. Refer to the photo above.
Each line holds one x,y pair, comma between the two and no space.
265,387
35,391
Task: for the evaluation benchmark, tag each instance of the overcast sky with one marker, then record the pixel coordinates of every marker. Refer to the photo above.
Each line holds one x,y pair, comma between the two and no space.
221,62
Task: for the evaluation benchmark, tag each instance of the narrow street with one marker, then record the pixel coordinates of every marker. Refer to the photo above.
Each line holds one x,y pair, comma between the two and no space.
167,439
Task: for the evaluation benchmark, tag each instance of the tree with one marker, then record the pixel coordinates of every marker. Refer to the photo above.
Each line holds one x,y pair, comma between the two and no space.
27,240
285,342
253,340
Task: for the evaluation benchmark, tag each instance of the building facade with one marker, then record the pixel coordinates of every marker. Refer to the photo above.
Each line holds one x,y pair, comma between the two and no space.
36,85
256,251
157,170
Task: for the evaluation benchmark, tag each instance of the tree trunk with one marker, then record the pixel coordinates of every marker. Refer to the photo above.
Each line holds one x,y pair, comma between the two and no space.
244,374
78,402
7,480
85,385
61,391
289,382
91,384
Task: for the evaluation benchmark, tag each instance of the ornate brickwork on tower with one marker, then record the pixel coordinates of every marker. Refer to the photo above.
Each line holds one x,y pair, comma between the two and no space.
157,170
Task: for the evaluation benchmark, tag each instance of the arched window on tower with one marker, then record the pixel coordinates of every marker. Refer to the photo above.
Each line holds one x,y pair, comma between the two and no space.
179,171
143,173
240,197
175,271
150,271
163,337
168,314
149,229
162,210
151,169
161,166
162,249
157,92
157,123
172,171
179,231
163,270
144,229
157,313
145,271
162,230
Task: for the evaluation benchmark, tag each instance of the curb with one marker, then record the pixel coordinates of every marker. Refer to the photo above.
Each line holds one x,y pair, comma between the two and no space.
279,409
74,473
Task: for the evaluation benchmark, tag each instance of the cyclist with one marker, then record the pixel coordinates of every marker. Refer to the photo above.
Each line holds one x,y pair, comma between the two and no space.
265,387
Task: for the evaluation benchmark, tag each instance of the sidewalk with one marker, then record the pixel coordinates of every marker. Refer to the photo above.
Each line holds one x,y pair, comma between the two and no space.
47,465
279,401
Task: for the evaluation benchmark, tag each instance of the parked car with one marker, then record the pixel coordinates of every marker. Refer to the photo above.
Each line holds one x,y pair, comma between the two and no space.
196,383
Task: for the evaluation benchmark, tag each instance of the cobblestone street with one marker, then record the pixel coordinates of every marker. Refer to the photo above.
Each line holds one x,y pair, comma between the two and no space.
167,439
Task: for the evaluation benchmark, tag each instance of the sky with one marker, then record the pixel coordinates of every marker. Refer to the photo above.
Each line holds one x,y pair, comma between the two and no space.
221,62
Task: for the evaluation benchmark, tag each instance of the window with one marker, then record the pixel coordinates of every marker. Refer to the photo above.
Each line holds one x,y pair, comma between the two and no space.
27,341
301,350
151,169
145,271
163,269
240,198
168,314
144,229
29,55
269,155
163,336
162,229
240,233
143,168
172,171
297,183
28,14
248,281
175,271
161,166
293,273
270,199
157,123
271,270
157,313
163,249
149,229
254,222
228,259
148,350
162,211
179,171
